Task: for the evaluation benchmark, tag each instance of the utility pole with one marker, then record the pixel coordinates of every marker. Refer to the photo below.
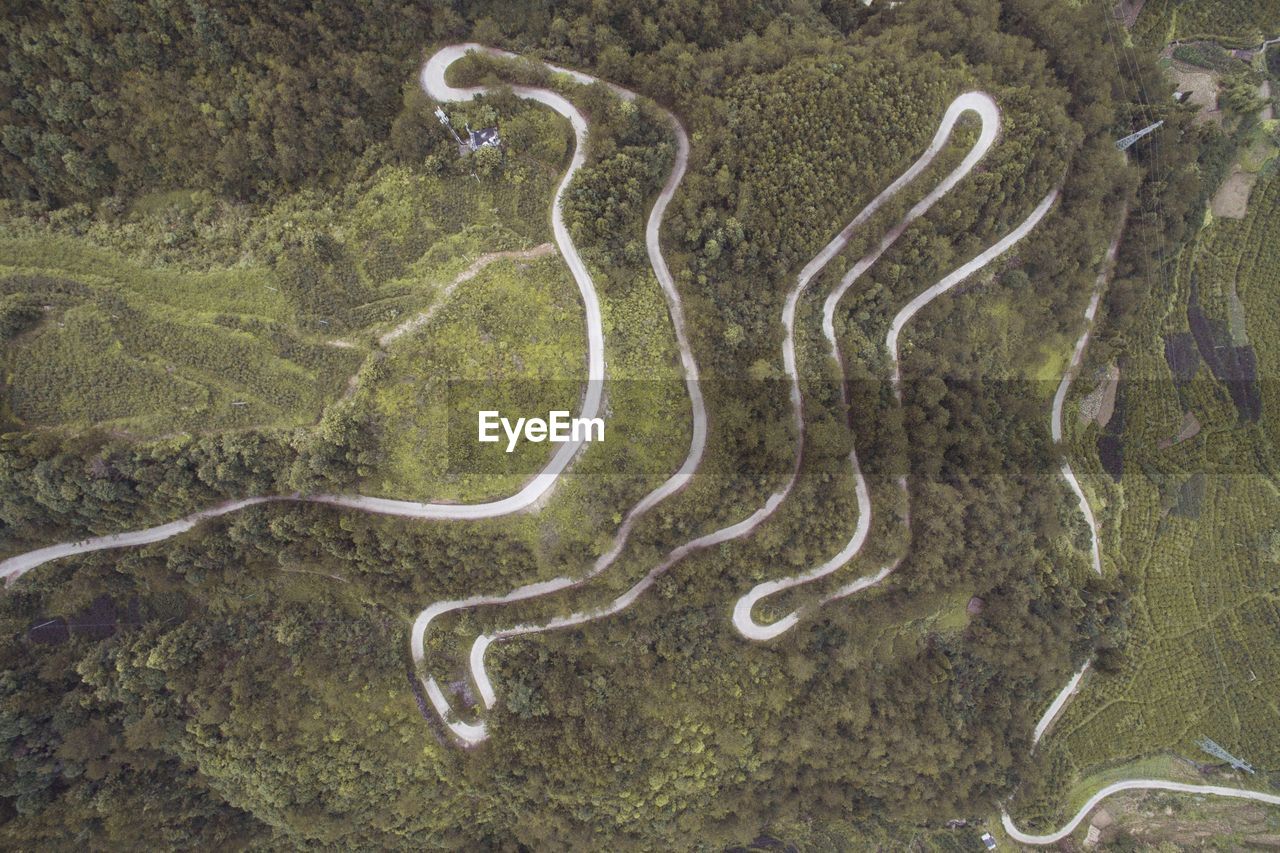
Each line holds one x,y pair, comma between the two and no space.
1128,141
1218,752
444,119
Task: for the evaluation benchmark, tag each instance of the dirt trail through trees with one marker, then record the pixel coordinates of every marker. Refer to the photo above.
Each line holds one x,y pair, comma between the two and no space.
420,320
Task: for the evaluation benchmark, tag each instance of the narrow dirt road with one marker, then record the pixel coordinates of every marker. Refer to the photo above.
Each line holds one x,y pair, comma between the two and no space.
417,322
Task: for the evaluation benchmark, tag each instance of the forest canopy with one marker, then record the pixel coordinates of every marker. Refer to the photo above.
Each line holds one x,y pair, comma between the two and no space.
270,186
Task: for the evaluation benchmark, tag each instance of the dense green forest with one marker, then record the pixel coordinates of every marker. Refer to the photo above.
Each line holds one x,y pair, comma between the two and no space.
1243,23
191,181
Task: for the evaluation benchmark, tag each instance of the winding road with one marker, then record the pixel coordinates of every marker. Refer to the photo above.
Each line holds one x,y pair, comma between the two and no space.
473,733
988,113
1073,686
1068,376
986,109
538,487
541,484
1055,429
1131,785
432,79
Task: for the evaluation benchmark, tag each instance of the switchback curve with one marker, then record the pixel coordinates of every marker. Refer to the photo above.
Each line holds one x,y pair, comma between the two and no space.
541,484
986,108
473,733
742,618
1130,785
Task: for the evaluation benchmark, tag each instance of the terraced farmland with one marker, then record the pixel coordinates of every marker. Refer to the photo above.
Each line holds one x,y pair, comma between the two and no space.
1194,522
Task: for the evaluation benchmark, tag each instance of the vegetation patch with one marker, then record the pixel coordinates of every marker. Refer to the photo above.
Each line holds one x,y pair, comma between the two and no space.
1190,496
1240,23
272,667
512,340
1204,55
1182,356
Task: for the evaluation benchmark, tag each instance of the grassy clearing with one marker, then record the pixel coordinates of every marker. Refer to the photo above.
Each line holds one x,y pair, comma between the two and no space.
236,291
88,352
511,339
185,313
944,612
1052,367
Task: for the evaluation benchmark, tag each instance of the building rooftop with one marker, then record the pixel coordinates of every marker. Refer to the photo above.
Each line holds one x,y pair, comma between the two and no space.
486,137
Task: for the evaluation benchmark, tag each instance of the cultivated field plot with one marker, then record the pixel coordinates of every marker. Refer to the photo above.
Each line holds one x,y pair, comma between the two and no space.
1194,522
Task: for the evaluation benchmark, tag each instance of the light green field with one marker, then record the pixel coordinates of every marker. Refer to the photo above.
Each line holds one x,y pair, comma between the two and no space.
511,339
189,314
115,359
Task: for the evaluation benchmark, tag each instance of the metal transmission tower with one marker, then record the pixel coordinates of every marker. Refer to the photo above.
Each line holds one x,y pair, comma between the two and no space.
1125,143
1218,752
444,119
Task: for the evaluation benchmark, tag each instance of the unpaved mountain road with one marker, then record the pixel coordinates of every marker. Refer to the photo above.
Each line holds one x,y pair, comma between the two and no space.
419,320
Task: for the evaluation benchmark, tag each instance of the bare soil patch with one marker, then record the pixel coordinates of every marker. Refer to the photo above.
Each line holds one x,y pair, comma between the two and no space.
1231,201
1189,428
1100,404
1203,86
